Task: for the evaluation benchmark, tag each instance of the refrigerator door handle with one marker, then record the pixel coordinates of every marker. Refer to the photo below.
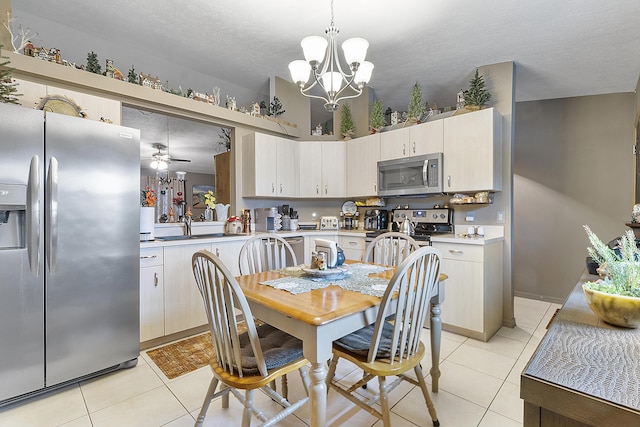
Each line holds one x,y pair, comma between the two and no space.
52,212
33,216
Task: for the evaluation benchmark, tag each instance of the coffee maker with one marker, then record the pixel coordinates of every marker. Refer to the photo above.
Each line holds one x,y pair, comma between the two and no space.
376,219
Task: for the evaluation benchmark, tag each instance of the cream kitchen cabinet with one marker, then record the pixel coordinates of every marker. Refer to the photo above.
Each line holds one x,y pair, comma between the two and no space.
322,168
352,246
151,293
473,291
269,166
473,152
183,307
229,253
362,158
414,140
94,107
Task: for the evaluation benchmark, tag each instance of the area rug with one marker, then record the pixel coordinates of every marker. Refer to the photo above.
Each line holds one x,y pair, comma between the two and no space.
184,356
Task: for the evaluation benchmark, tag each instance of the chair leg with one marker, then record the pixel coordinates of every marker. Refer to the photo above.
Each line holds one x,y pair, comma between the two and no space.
384,402
248,404
427,397
207,400
332,371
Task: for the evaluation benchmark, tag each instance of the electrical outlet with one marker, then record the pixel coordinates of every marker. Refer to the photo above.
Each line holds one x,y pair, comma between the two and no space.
500,217
470,217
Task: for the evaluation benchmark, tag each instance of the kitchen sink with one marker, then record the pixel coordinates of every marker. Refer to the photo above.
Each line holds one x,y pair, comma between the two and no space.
194,237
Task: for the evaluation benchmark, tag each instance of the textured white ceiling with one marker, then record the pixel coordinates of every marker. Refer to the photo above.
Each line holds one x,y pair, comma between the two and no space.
562,48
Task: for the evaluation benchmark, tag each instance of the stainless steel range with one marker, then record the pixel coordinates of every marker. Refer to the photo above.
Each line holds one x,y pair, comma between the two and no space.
426,222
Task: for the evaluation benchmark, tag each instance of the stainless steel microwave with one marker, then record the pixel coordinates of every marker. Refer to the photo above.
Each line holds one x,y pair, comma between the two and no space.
411,176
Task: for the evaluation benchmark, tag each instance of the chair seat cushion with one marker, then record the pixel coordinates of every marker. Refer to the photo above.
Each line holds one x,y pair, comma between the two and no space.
278,349
358,342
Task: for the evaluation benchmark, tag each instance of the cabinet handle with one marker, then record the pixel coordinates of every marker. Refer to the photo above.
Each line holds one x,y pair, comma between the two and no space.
352,243
273,187
404,149
449,180
414,147
375,188
317,189
325,190
456,251
155,279
149,256
217,252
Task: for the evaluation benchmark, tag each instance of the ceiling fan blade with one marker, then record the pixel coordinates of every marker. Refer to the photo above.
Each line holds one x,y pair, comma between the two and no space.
178,160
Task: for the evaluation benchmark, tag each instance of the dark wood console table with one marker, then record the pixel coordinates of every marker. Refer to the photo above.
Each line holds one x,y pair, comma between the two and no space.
585,372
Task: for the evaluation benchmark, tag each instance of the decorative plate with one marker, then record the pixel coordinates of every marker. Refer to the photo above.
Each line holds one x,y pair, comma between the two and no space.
60,104
349,208
329,272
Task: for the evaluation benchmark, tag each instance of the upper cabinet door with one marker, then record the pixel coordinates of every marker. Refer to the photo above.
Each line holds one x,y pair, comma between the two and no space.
333,169
286,168
362,157
426,138
310,165
259,159
394,144
473,152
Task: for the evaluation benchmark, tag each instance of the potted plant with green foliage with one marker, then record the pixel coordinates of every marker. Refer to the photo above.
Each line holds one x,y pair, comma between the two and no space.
347,128
615,298
8,90
416,107
376,121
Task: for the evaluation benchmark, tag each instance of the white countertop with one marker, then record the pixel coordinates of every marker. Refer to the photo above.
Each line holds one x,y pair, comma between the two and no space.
444,238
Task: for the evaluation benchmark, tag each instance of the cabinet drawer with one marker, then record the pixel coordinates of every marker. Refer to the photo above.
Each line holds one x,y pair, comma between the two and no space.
460,251
355,243
151,256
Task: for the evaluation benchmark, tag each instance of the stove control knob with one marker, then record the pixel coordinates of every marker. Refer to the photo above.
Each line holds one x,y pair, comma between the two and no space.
435,216
443,216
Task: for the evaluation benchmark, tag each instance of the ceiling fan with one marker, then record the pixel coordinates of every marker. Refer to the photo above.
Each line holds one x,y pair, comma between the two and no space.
161,160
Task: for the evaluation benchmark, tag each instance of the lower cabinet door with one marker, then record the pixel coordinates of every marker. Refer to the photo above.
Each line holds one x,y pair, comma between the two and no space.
183,304
151,303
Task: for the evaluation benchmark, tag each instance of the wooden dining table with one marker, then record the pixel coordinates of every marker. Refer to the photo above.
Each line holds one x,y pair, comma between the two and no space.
319,317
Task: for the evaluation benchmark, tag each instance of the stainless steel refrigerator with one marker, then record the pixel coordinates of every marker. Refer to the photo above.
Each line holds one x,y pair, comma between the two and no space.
69,250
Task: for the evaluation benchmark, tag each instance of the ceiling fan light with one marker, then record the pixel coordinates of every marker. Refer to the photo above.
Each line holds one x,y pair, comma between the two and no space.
332,81
314,48
355,50
299,70
363,75
153,164
162,165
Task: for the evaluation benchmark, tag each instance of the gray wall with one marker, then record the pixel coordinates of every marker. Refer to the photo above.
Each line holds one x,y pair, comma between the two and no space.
573,165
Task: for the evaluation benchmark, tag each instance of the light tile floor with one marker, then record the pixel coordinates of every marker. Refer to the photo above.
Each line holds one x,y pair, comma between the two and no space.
479,386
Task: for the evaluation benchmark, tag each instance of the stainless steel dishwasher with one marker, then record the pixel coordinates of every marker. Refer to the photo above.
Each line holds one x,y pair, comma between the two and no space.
297,244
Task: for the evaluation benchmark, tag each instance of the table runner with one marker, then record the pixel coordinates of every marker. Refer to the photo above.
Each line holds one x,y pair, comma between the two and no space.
355,279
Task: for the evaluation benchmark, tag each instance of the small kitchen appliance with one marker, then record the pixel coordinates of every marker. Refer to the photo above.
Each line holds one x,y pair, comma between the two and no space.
268,219
329,223
421,223
375,219
411,176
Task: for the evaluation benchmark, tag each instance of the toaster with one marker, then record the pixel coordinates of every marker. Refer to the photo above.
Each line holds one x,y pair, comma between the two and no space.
329,223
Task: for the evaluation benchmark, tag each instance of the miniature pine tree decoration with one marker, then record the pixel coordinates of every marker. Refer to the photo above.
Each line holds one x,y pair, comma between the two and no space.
347,128
275,108
93,66
476,96
377,116
7,86
132,76
416,107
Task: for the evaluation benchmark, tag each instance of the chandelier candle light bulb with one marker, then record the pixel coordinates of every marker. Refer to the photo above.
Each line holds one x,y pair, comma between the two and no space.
321,60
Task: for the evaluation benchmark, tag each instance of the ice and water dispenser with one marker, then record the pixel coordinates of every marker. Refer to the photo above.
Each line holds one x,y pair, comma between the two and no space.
13,210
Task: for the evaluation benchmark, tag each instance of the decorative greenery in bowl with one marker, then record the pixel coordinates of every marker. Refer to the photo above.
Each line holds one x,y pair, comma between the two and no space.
615,298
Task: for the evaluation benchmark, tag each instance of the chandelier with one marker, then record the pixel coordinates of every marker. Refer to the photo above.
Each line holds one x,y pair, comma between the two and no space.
321,59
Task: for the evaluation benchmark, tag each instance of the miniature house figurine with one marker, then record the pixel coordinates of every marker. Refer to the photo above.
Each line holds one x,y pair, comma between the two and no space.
231,102
255,109
394,118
